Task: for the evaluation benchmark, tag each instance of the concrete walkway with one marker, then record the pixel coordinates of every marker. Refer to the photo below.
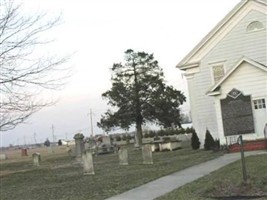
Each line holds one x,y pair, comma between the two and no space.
168,183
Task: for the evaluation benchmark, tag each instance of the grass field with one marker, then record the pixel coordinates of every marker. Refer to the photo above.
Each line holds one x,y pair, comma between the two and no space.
227,183
59,177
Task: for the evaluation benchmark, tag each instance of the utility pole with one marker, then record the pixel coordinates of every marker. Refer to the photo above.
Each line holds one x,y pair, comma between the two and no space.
34,136
24,140
91,120
53,136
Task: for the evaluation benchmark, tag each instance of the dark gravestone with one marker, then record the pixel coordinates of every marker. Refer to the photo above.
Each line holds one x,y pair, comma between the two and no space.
237,114
79,145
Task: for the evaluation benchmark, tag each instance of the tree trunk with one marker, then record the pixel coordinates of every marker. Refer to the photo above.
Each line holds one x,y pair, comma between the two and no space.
138,135
139,117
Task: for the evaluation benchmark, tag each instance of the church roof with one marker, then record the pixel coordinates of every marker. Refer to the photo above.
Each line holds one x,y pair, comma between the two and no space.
183,64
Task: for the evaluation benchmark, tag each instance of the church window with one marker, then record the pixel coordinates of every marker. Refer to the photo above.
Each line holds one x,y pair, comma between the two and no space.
255,26
259,104
218,72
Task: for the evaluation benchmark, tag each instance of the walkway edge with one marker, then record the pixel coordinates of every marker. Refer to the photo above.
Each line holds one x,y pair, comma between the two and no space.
173,181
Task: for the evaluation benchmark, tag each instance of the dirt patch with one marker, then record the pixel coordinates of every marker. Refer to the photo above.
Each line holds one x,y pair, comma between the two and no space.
8,172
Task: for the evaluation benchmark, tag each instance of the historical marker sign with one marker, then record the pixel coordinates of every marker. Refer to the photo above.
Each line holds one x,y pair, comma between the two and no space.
237,114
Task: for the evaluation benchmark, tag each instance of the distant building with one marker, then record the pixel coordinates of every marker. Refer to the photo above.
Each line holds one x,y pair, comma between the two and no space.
68,142
227,75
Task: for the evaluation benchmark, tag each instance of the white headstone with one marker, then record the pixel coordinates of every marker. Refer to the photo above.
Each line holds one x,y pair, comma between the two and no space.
88,164
147,154
3,156
106,140
123,157
36,159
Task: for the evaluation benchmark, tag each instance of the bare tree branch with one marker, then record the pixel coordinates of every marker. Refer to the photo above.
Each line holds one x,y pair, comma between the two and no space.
22,71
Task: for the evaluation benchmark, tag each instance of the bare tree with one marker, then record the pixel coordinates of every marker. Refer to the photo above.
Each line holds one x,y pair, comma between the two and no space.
24,74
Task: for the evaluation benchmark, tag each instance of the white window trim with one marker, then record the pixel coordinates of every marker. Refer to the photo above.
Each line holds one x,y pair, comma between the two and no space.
212,64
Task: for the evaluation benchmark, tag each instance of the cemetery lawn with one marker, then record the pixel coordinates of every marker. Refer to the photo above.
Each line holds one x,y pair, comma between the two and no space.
60,178
227,182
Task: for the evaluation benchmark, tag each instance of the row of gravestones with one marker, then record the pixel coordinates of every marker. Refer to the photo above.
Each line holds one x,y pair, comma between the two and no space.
87,158
88,164
146,153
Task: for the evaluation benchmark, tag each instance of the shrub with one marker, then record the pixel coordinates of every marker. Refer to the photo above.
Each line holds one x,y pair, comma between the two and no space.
124,137
59,142
145,135
167,132
129,137
172,131
156,138
188,130
118,138
152,134
47,143
195,140
166,139
209,141
181,131
161,132
216,145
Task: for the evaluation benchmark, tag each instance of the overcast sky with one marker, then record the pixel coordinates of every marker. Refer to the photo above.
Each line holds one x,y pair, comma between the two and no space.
99,31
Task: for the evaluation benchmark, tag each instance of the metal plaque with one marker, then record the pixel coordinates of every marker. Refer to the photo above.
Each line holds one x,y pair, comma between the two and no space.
237,115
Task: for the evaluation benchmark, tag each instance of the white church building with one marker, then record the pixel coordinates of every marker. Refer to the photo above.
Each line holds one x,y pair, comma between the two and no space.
227,76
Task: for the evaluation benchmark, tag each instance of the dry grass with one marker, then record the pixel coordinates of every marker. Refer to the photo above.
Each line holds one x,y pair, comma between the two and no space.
59,177
227,183
14,155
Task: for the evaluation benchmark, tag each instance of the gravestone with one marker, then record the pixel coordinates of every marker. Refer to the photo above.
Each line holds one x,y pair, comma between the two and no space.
36,159
105,146
87,145
147,154
123,156
50,149
116,148
237,114
24,152
3,156
106,140
79,145
70,151
88,164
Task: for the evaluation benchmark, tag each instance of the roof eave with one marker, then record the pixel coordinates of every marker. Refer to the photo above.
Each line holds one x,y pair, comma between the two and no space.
188,66
184,61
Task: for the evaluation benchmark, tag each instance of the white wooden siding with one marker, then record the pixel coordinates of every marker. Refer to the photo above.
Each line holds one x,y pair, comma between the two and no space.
250,80
237,43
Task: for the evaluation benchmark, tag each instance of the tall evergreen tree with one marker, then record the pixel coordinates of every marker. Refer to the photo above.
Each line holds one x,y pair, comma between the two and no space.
140,95
209,141
195,143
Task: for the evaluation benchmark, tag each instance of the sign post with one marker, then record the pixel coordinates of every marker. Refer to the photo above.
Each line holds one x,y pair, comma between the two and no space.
237,118
244,168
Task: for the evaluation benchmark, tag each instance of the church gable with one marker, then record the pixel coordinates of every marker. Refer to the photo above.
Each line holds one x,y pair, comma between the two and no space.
245,72
240,42
247,38
243,9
